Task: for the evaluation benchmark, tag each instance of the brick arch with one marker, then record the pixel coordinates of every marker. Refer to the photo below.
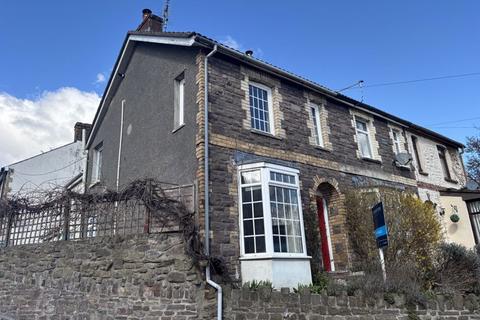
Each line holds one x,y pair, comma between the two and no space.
328,188
317,181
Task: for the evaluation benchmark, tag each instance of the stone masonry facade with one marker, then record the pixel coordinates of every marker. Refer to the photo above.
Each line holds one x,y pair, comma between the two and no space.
137,277
149,277
264,304
337,165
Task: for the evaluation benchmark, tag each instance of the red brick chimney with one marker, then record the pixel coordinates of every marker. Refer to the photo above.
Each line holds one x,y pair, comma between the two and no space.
150,22
78,131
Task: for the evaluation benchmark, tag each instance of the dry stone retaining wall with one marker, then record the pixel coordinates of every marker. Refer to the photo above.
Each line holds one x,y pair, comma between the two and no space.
242,304
138,277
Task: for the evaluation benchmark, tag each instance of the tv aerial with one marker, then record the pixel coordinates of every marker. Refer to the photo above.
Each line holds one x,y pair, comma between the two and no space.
166,5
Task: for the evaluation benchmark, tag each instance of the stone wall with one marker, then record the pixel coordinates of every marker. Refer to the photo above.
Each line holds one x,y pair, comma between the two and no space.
231,134
138,277
265,304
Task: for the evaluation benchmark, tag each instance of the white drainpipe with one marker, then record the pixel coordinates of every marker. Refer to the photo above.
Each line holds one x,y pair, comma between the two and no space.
207,193
85,161
120,145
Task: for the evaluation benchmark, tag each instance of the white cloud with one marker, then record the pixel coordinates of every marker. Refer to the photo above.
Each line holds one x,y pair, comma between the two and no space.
100,78
234,44
229,41
30,126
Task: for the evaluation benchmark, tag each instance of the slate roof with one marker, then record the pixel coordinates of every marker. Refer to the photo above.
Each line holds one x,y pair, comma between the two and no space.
259,63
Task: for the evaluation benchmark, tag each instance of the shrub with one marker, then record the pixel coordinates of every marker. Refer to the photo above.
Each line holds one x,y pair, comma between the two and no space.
414,230
255,285
320,282
311,287
402,278
457,269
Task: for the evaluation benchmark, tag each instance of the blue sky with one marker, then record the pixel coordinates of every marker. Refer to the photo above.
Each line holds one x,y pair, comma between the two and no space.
49,45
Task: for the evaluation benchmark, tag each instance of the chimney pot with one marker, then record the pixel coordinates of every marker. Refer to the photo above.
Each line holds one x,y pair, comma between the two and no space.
146,13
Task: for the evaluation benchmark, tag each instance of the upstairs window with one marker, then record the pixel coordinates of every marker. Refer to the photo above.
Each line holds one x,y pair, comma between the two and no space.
97,163
442,155
317,128
261,108
397,143
363,137
271,214
179,104
417,155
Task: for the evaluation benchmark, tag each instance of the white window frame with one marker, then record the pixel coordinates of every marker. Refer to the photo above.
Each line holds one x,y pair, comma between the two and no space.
265,182
179,103
367,132
97,163
397,143
317,125
271,118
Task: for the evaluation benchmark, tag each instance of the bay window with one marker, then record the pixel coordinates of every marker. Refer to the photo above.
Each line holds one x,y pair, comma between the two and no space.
270,211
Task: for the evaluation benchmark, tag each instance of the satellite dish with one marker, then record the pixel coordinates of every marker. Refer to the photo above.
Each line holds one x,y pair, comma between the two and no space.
403,158
472,185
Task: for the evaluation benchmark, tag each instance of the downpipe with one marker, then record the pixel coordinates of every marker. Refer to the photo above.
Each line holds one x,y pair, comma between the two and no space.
210,282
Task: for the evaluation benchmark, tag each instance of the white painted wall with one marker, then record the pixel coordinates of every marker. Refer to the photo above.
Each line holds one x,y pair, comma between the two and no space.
282,272
431,164
460,232
46,171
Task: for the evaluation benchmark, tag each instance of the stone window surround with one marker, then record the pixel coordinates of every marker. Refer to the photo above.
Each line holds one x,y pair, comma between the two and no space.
255,77
269,254
325,128
271,117
372,133
417,156
449,163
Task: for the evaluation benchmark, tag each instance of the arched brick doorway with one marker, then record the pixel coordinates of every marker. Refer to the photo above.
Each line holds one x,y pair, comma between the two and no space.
331,248
326,198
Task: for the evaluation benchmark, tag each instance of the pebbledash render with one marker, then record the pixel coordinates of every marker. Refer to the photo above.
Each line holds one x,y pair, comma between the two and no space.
282,150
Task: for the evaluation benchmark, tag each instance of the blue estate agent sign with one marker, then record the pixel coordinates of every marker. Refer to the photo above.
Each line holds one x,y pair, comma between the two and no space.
381,232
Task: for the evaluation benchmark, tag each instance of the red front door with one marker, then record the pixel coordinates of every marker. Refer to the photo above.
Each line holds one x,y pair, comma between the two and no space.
323,235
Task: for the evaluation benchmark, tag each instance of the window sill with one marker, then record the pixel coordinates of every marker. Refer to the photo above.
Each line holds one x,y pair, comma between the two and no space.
321,148
403,167
371,160
266,134
275,257
93,184
451,180
178,128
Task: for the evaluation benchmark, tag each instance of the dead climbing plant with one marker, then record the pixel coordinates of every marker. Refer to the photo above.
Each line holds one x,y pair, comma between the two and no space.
163,211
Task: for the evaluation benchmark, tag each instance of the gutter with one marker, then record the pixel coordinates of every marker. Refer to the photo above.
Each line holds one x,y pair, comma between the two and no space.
215,285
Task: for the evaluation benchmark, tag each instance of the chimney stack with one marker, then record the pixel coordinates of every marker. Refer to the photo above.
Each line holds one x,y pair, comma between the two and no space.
150,22
78,130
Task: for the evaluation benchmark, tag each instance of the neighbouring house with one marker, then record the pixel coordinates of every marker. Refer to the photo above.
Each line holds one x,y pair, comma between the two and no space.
465,203
441,179
61,167
271,154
